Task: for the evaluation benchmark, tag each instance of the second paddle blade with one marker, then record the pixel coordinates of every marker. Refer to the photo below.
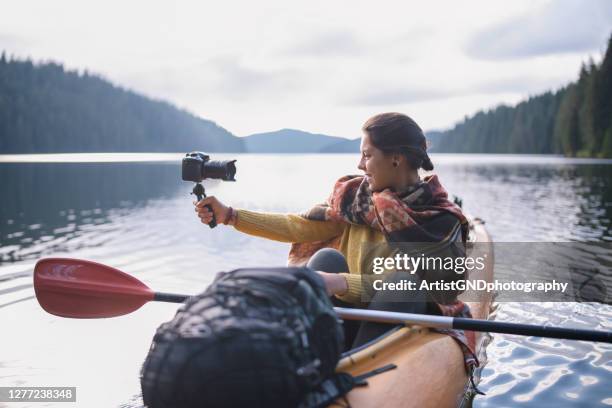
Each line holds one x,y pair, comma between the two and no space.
83,289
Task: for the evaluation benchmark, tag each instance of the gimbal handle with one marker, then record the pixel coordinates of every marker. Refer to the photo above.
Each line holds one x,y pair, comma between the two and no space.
199,192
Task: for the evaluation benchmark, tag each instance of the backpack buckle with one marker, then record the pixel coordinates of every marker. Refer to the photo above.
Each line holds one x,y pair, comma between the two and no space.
310,371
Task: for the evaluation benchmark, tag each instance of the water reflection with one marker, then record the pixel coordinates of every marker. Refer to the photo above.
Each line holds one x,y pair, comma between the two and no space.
46,205
530,202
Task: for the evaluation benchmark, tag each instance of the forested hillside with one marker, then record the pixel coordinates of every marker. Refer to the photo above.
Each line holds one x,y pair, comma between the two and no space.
45,108
574,121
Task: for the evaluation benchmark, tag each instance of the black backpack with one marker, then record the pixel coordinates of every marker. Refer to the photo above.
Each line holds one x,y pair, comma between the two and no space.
262,337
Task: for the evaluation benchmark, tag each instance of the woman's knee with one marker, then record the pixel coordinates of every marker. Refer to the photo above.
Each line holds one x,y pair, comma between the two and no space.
401,293
328,260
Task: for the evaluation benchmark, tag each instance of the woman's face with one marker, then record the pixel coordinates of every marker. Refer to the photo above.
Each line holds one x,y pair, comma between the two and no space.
377,166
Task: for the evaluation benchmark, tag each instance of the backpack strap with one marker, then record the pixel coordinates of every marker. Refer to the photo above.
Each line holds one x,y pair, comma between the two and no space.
337,386
328,391
360,380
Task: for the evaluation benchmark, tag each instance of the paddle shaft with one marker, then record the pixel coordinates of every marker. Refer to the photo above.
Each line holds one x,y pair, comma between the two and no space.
532,330
446,322
169,297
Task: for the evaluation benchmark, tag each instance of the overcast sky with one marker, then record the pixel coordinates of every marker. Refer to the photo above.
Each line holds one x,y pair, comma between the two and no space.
319,66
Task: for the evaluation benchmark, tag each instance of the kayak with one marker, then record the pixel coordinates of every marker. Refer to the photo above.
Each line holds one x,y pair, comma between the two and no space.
430,370
428,366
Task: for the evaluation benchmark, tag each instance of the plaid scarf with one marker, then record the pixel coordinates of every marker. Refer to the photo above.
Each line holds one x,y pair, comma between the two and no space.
400,216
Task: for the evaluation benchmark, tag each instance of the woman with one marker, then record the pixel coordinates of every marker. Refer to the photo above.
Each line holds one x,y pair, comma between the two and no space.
390,203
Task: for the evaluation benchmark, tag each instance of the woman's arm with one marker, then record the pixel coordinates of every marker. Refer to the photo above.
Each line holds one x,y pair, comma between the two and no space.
285,227
278,227
335,283
354,288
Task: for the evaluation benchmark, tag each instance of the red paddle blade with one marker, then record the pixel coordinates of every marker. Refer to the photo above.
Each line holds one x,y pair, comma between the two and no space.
84,289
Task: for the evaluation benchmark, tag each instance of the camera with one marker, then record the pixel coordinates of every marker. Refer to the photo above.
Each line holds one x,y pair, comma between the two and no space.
197,166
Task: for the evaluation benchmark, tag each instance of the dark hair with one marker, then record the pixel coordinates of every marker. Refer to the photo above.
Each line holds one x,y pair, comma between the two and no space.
397,133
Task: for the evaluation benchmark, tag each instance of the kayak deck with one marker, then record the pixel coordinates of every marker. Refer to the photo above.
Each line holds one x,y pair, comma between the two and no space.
430,367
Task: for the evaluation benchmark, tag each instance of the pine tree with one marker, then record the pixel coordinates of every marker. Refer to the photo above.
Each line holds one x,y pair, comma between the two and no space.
586,85
602,117
567,130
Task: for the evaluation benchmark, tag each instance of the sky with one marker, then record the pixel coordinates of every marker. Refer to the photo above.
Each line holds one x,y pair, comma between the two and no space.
319,66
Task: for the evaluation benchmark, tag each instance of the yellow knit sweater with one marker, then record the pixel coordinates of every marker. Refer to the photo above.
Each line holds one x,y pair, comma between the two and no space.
358,243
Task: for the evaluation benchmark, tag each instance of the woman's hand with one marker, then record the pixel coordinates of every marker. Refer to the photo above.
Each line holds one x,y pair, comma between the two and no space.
218,208
334,283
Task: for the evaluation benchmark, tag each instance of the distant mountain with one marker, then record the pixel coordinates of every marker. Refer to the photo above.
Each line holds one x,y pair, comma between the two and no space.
344,146
290,141
46,109
297,141
353,146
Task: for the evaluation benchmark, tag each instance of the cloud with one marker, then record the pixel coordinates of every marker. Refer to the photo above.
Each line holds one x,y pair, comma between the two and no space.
10,42
400,46
235,80
409,94
396,96
518,84
328,44
560,27
219,79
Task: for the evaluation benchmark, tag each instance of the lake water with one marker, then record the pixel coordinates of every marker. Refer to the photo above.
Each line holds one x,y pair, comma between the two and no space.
133,212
